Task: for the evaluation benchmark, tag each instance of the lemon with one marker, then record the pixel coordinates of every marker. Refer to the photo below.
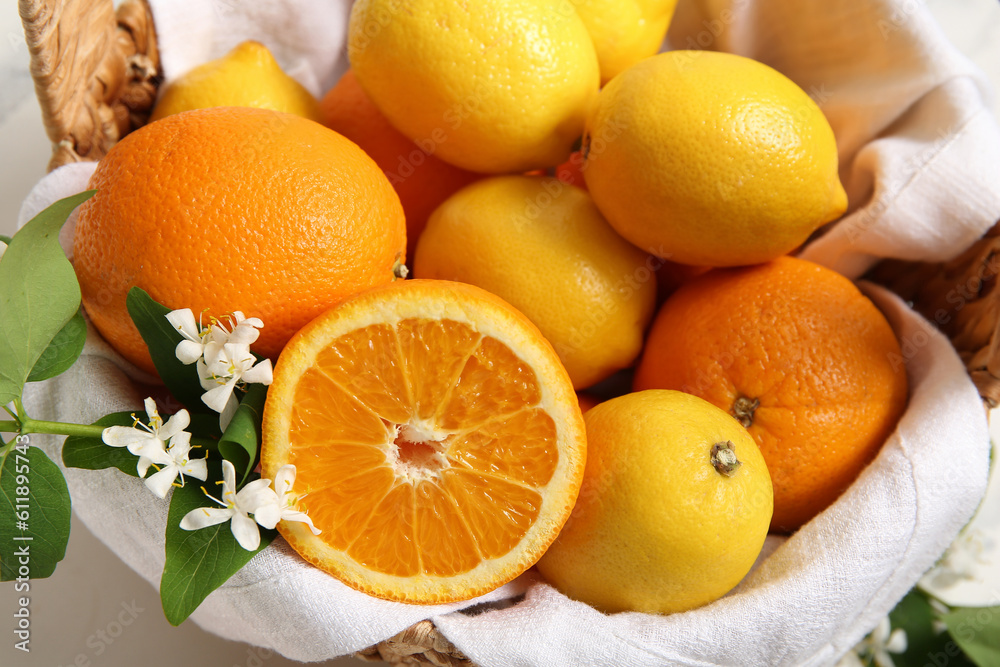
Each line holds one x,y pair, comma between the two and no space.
491,86
625,32
542,246
711,159
247,76
674,508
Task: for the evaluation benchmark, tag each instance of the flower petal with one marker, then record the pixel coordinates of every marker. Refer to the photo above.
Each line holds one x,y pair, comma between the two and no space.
203,517
268,515
151,449
256,495
245,531
142,465
246,332
228,412
123,436
196,468
262,373
284,479
180,446
151,412
177,423
161,482
217,397
301,517
188,351
228,481
183,320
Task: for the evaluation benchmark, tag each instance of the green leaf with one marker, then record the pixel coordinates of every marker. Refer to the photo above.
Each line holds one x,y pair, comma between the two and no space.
40,294
34,513
63,351
199,561
915,615
5,238
241,441
977,631
161,338
91,453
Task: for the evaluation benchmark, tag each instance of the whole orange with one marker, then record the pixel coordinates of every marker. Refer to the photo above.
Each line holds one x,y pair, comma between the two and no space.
229,209
421,180
797,354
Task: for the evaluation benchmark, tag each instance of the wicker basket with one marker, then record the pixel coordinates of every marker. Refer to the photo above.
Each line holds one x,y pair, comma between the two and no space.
96,73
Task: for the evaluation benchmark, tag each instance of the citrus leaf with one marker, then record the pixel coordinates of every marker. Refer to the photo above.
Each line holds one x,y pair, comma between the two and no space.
5,239
161,338
199,561
91,453
241,441
41,294
62,351
977,631
915,615
34,514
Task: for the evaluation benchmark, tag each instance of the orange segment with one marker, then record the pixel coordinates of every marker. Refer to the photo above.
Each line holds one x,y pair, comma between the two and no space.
436,436
494,381
516,447
387,544
343,521
444,539
498,512
322,409
435,353
377,378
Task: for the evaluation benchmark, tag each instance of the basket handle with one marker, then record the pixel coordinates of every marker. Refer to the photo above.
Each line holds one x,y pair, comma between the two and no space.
96,73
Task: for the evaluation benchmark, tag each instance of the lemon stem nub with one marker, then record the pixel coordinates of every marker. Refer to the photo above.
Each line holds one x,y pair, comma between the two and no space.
743,409
724,458
399,270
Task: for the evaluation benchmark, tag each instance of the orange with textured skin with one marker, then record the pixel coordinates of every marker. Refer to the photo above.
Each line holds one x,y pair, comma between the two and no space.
438,444
230,209
421,180
801,357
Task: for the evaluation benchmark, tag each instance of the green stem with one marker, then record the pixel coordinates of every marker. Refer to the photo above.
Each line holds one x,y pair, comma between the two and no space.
61,428
85,430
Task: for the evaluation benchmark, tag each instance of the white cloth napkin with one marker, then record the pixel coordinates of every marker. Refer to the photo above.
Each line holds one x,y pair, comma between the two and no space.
920,157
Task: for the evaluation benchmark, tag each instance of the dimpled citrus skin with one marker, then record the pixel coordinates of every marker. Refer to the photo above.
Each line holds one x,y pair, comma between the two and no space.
498,85
247,76
656,527
625,32
804,342
543,247
230,209
421,180
711,159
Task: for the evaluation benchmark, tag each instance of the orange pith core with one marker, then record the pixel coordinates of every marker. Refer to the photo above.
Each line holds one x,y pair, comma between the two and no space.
427,446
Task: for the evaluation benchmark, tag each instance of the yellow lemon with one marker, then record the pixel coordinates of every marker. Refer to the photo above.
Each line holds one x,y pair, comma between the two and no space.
542,246
711,159
247,76
625,32
490,86
673,511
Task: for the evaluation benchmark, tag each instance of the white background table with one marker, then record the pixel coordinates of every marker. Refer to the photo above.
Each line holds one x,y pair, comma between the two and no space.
92,591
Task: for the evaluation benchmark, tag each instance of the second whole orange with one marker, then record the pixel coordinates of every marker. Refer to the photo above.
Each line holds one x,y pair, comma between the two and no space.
231,208
421,180
797,354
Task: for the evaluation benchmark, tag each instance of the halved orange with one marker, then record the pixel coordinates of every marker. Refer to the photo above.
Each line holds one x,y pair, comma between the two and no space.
438,442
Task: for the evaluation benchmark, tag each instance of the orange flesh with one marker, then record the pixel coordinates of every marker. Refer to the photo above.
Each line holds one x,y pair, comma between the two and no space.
428,458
